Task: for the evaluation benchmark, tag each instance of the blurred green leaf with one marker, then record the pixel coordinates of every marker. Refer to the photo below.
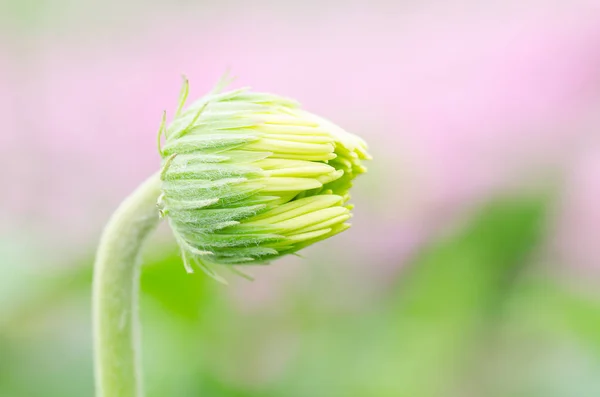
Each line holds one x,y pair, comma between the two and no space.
450,293
548,344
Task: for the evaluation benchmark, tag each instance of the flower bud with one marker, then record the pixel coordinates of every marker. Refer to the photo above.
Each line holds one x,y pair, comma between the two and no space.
248,177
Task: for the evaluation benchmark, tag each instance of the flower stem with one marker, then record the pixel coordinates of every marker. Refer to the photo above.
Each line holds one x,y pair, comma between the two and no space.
115,293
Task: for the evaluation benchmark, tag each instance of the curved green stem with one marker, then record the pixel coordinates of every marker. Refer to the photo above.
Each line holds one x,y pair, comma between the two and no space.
115,293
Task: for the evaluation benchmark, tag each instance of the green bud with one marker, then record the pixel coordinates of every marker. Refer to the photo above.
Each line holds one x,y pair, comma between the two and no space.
248,177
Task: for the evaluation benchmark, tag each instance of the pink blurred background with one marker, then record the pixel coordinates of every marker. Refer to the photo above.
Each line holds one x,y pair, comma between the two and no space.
458,101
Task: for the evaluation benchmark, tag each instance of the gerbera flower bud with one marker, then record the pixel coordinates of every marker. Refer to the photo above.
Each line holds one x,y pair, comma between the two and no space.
248,177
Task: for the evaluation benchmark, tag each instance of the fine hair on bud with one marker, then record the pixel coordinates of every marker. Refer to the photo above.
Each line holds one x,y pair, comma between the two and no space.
248,177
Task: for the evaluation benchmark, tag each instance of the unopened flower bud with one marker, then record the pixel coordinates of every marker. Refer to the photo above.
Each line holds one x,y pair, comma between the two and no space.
248,177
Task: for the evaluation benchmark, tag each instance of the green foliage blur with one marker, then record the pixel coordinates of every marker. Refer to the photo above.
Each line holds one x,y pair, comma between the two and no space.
472,315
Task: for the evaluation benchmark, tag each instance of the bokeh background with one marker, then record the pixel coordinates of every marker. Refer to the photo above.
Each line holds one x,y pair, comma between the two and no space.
472,269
